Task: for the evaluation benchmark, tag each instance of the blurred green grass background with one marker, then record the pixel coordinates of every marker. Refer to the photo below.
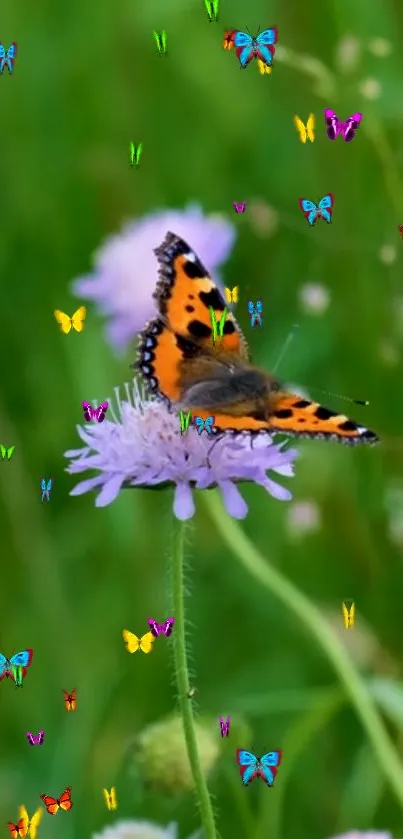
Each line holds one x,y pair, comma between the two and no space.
87,81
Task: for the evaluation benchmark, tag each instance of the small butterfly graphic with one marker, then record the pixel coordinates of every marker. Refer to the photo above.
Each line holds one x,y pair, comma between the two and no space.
204,424
135,154
31,824
7,57
232,294
334,126
400,229
70,699
217,325
17,830
348,608
46,487
228,41
212,7
97,414
264,767
264,69
224,726
306,132
15,668
255,311
239,208
76,321
161,41
52,804
35,739
323,209
110,798
6,453
134,643
184,420
161,628
260,46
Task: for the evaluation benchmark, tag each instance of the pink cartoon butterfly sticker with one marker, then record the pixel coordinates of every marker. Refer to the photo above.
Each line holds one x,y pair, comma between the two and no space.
334,126
97,414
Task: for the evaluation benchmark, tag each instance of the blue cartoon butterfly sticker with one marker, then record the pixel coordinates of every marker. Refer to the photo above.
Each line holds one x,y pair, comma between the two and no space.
264,767
313,211
15,667
204,425
260,46
255,311
7,57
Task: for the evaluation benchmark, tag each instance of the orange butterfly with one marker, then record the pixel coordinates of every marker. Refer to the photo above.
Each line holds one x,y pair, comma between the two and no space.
228,41
70,700
17,830
52,804
180,362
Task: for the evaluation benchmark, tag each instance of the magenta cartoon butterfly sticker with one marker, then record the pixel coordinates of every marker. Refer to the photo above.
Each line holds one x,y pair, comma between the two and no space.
35,739
334,126
224,726
97,414
161,628
239,208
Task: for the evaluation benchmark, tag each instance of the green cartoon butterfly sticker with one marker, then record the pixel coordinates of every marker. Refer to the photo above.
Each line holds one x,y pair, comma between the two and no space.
212,7
135,154
6,454
161,41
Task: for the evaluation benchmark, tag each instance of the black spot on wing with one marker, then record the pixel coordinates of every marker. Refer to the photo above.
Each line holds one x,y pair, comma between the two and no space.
194,269
188,349
283,413
348,425
189,309
199,329
213,298
324,413
302,403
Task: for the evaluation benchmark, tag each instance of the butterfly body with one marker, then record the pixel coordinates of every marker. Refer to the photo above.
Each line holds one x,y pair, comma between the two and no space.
35,739
239,208
97,414
18,662
264,767
180,363
347,129
224,726
31,824
70,700
110,798
161,628
305,132
134,643
261,46
46,487
76,321
7,57
54,804
323,209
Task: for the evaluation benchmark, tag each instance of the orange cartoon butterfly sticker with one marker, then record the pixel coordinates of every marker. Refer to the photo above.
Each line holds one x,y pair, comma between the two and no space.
70,700
52,804
17,830
179,361
228,41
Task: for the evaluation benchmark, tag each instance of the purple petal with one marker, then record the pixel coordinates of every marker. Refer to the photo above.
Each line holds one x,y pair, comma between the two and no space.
184,507
110,491
233,501
274,489
88,485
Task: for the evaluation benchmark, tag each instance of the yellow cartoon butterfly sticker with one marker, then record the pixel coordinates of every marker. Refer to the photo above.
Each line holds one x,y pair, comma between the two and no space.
76,321
31,824
348,613
110,799
306,132
133,643
232,294
263,67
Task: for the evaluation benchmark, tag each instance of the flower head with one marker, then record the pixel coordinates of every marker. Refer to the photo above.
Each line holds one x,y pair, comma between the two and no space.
137,830
371,834
125,269
143,447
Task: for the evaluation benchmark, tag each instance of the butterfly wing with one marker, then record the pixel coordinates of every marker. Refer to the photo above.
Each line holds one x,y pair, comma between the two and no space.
65,801
268,766
350,126
310,210
310,128
88,411
168,626
17,830
264,69
51,804
30,738
78,318
265,49
24,818
235,294
22,659
33,823
114,802
326,207
248,765
101,411
131,640
228,295
64,321
155,627
146,642
332,123
302,130
4,665
243,47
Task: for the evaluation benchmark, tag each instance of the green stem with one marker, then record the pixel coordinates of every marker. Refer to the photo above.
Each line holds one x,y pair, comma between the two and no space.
311,617
182,682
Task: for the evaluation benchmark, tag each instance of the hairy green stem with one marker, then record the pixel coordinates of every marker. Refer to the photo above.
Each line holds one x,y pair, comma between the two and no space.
182,682
275,582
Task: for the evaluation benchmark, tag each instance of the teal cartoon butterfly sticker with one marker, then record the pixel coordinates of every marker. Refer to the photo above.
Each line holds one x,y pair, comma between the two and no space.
15,667
135,154
204,424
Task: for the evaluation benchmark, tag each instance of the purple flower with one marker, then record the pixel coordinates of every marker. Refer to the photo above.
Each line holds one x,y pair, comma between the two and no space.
369,834
126,270
143,447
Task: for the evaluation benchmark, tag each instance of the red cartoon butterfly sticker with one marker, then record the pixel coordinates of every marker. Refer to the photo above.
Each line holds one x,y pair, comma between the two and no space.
17,830
70,700
52,804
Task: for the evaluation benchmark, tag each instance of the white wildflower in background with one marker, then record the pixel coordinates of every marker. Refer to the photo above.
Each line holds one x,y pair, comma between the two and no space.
369,834
380,47
370,88
347,54
314,298
125,271
129,829
144,448
388,353
263,218
303,517
388,254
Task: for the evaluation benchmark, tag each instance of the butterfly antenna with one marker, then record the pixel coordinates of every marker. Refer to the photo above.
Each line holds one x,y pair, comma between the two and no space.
363,402
285,346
